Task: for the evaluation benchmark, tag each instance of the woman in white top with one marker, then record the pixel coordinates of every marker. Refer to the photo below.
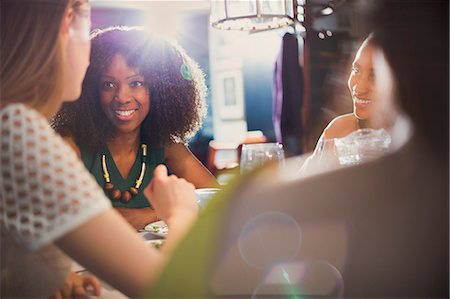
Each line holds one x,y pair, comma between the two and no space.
361,84
50,206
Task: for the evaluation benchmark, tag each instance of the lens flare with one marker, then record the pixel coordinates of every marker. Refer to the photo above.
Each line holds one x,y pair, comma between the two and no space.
268,239
299,279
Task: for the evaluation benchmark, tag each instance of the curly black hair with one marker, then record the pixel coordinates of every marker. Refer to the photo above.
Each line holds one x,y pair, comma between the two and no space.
176,86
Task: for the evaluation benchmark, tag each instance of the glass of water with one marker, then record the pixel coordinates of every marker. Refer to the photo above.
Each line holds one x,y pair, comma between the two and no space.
362,145
204,195
258,154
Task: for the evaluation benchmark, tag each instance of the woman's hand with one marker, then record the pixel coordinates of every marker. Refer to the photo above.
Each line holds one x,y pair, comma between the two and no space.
172,197
76,286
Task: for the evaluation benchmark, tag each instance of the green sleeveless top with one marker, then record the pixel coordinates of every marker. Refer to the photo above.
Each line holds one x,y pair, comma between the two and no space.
93,162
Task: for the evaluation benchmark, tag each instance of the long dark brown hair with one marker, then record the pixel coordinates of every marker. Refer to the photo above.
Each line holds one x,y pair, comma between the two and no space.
31,55
176,86
414,38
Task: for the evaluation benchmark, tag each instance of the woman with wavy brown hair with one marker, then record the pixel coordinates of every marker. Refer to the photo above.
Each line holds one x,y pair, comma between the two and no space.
142,98
51,209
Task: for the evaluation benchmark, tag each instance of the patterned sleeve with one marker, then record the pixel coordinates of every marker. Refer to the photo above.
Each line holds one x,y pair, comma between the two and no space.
45,191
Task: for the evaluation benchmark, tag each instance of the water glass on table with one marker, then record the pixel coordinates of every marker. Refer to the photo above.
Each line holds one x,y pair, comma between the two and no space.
204,195
258,154
362,145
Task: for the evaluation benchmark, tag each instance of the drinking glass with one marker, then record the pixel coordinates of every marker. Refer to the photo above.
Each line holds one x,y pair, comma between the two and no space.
204,195
362,145
256,155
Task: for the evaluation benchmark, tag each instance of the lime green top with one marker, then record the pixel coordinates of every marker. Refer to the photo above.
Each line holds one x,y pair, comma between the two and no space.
93,162
190,265
189,268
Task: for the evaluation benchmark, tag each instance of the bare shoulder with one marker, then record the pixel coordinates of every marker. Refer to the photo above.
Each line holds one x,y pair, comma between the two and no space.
340,126
71,142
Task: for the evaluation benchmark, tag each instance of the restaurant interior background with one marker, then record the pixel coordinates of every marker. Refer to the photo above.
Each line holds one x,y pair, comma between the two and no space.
239,66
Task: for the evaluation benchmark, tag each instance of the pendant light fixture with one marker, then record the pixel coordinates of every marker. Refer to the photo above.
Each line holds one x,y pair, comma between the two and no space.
252,15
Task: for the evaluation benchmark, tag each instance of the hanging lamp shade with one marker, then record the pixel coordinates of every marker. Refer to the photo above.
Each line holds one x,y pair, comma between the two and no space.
251,15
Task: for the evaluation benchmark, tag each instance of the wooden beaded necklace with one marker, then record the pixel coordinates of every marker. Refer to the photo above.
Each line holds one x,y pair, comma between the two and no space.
132,191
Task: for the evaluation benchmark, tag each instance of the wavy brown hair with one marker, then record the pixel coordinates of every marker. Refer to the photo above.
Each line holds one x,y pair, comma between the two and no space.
176,86
31,55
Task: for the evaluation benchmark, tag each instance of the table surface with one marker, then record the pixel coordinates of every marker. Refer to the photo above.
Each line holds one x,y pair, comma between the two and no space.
109,292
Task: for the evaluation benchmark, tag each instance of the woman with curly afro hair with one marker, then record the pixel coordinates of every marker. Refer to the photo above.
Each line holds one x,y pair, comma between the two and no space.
142,99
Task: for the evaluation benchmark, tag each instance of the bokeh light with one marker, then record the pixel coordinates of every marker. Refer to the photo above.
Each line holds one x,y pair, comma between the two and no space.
269,239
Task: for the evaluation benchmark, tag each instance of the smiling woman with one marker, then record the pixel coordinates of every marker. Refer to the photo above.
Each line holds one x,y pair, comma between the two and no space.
361,82
142,98
361,85
124,96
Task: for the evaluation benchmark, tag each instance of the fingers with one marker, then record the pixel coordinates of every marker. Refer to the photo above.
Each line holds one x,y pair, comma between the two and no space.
189,184
148,191
79,292
92,281
66,290
77,286
160,171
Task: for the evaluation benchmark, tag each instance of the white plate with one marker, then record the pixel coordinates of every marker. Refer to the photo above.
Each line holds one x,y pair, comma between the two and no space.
158,228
